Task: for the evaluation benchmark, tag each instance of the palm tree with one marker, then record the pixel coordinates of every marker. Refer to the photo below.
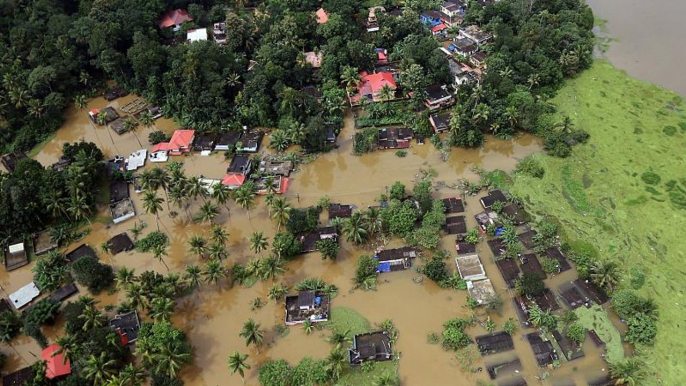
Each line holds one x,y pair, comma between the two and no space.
193,276
308,326
161,309
196,188
217,251
386,93
605,274
373,220
79,208
533,80
219,235
279,141
133,376
124,278
252,334
354,228
197,245
351,79
222,194
98,369
159,252
132,126
340,338
277,292
161,179
92,317
336,363
269,200
153,205
80,102
69,347
387,378
178,194
208,213
245,196
258,242
271,267
214,272
146,119
237,364
281,211
136,296
169,361
542,319
629,372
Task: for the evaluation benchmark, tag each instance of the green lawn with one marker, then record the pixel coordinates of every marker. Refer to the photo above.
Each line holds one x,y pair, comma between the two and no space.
625,193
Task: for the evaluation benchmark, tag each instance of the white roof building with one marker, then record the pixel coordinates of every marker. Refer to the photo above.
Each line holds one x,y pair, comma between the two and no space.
196,35
24,295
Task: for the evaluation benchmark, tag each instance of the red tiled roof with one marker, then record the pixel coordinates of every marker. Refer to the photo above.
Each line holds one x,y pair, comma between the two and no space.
56,364
162,146
371,84
181,138
381,57
322,16
233,179
439,28
174,17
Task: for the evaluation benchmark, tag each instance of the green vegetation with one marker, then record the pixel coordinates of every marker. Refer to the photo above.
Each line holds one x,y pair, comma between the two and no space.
454,337
89,272
595,318
609,201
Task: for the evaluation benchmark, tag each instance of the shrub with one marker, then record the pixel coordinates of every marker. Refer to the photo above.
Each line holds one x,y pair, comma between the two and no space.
152,240
433,338
650,178
365,275
510,326
472,236
275,373
642,329
577,333
156,137
10,325
627,304
285,245
91,273
435,269
303,220
329,248
401,153
454,336
43,312
398,191
530,284
531,167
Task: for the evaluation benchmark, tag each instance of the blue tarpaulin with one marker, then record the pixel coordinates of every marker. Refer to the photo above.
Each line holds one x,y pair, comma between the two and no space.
383,267
499,231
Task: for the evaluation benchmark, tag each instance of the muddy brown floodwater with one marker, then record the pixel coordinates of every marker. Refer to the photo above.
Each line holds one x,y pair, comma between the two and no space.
213,315
649,39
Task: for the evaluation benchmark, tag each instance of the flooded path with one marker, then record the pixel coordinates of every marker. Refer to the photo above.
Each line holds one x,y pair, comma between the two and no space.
214,315
649,37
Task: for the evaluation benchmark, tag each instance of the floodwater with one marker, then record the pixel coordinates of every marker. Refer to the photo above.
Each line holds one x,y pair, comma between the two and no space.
214,315
649,35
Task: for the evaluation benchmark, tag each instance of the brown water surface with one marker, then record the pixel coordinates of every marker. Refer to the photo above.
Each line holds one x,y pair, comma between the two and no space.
650,39
214,315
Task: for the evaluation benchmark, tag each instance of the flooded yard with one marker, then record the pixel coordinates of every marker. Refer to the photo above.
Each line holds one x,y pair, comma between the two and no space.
213,315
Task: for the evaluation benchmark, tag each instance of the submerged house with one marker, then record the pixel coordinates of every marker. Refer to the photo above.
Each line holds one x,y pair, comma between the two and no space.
371,346
16,256
481,290
24,295
270,167
120,243
340,210
42,243
179,143
250,141
108,114
437,97
314,306
227,140
394,138
309,240
470,268
493,196
9,161
204,142
57,364
440,122
119,190
122,210
238,171
126,326
397,259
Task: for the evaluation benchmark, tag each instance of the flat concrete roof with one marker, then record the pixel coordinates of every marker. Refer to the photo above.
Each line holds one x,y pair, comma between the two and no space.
470,267
24,295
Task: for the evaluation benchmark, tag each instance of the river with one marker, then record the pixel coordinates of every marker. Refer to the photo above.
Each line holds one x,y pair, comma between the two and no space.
649,39
213,316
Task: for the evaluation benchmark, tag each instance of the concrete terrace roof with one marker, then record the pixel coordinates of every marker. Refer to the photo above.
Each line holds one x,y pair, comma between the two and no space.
196,35
24,295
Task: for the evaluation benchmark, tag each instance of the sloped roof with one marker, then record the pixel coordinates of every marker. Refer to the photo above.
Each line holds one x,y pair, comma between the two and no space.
56,364
174,17
162,146
373,83
439,28
314,58
233,179
322,16
181,138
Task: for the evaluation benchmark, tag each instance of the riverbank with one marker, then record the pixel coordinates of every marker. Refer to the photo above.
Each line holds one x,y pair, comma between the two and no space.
645,39
599,197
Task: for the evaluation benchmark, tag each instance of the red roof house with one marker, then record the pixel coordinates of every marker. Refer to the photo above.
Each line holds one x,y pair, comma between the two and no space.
57,365
381,57
179,143
233,180
371,85
174,18
322,16
438,29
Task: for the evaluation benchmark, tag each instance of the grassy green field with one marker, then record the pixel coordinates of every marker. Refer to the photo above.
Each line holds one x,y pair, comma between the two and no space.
625,193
